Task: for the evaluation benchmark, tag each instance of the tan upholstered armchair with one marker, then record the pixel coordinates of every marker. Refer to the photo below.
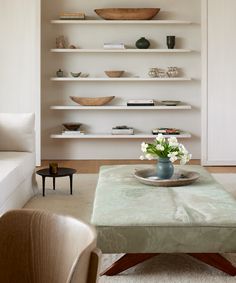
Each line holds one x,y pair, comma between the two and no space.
40,247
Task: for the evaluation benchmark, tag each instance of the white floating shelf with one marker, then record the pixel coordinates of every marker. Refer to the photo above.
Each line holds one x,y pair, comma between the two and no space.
113,22
120,50
122,107
109,136
69,79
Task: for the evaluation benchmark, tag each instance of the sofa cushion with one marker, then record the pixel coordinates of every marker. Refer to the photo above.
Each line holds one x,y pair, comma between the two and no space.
15,167
17,132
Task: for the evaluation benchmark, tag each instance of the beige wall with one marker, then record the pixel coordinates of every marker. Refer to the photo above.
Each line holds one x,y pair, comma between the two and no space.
20,59
92,36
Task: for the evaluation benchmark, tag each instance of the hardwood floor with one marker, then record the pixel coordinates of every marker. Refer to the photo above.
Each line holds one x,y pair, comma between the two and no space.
92,166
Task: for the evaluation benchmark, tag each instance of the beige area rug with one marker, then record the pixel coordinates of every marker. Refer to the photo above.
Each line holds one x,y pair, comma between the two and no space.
163,269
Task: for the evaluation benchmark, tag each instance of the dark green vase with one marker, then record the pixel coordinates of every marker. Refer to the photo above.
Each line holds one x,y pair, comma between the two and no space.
142,43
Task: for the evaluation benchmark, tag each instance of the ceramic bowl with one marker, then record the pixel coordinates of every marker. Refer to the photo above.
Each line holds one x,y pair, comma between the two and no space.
92,101
170,102
114,74
72,126
127,13
75,75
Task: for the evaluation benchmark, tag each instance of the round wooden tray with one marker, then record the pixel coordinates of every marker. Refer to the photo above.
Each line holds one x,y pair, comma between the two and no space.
180,178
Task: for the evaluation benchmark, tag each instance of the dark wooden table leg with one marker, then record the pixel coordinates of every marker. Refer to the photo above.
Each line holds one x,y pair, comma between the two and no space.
71,184
217,261
54,183
43,179
125,262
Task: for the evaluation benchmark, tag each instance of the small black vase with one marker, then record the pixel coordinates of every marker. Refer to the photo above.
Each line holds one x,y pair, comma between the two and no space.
142,43
170,40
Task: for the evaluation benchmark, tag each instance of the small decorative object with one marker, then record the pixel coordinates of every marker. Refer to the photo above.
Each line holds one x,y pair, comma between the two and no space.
72,126
172,72
60,73
72,47
142,43
153,72
61,42
114,74
92,101
84,75
53,168
170,102
75,75
127,13
140,102
167,151
170,40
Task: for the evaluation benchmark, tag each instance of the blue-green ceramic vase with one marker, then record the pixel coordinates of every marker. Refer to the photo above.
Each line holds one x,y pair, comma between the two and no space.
165,168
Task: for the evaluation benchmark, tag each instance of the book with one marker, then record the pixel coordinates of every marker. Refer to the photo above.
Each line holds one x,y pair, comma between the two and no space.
72,16
113,46
122,130
141,102
166,131
73,132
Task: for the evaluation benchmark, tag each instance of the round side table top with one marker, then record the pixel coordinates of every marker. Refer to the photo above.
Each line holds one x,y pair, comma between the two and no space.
62,172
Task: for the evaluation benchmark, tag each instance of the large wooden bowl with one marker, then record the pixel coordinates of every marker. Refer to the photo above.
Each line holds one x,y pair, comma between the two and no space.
92,101
127,13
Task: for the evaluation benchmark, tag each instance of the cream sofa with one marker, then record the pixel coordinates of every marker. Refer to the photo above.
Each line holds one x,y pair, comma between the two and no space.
17,160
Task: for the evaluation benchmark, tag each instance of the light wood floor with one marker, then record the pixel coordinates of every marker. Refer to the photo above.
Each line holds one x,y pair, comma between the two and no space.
92,166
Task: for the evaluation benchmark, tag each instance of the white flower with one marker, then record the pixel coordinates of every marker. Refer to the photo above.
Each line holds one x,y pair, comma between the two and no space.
144,147
160,138
149,156
185,159
141,157
173,156
183,150
160,147
173,142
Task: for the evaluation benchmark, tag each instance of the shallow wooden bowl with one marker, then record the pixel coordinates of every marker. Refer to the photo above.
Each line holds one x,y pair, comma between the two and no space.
114,74
127,13
92,101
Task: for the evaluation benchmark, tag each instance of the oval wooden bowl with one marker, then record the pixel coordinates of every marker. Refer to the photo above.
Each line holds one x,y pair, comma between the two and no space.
92,101
127,13
114,74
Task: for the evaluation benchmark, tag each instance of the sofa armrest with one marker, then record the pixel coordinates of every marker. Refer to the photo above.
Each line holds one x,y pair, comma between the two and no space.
17,132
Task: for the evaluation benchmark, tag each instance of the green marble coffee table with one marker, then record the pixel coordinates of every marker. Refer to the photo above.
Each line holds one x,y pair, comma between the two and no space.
143,221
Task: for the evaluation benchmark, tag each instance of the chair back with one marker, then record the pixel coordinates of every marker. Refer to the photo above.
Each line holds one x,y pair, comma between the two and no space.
40,247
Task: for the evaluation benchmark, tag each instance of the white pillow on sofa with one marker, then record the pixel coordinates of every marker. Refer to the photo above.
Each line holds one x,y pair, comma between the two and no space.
17,132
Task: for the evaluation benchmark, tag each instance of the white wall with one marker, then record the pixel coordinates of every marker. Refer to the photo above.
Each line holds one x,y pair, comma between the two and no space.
93,36
20,59
219,83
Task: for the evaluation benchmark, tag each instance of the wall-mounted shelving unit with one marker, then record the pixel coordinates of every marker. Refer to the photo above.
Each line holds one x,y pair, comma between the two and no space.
68,79
114,22
109,136
91,58
169,51
122,107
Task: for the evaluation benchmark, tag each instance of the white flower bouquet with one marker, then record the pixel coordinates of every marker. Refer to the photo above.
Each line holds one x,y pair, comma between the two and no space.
165,148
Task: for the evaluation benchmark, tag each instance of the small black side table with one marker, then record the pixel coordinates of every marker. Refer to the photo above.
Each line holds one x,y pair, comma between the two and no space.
62,172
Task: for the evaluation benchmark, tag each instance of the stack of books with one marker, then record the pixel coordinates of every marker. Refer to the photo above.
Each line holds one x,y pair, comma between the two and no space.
72,16
122,130
69,133
166,131
113,46
141,102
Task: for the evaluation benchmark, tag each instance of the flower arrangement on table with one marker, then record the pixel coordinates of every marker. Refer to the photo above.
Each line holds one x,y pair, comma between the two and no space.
166,151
